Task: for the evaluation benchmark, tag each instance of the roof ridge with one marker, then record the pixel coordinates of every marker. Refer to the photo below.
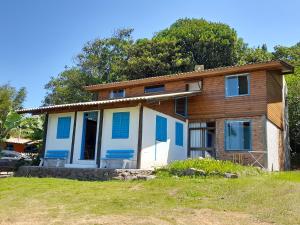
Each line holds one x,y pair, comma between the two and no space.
183,73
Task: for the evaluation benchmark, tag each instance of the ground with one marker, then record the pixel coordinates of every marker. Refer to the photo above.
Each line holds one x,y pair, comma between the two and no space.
264,199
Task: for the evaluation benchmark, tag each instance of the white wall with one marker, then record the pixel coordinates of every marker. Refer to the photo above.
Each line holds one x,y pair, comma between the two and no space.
118,144
165,151
273,146
52,143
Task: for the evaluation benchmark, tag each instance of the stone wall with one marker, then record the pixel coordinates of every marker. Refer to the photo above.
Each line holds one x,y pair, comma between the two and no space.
258,143
84,173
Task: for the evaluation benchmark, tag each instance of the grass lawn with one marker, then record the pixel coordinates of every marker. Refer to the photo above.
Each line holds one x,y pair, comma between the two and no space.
263,199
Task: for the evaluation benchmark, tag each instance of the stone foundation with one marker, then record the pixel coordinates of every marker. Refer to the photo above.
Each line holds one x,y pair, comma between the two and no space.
84,173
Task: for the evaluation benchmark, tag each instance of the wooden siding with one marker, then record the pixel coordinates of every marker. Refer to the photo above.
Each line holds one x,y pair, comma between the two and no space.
274,98
170,87
212,103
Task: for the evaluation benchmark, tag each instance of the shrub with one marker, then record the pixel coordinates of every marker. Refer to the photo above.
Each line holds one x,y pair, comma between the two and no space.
211,167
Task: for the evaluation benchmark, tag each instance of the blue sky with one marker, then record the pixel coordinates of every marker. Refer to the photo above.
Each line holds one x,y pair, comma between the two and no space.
39,37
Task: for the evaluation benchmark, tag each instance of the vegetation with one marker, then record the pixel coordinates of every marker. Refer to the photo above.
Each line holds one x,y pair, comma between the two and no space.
211,167
13,124
266,199
10,100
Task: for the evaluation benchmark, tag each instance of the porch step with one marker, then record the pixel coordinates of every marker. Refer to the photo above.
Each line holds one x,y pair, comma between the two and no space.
80,166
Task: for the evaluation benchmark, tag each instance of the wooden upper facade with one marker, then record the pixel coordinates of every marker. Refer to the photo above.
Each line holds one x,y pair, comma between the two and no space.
210,101
264,95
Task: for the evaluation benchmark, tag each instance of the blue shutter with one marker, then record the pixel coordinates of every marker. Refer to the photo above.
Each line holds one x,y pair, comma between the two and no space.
63,127
161,128
120,125
179,134
232,86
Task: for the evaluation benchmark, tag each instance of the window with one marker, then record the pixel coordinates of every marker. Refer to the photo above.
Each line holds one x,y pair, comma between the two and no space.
156,88
179,134
195,86
63,127
161,129
117,94
237,85
181,106
120,125
238,135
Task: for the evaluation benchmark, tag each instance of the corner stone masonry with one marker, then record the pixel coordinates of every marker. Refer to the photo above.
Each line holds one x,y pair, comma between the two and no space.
90,174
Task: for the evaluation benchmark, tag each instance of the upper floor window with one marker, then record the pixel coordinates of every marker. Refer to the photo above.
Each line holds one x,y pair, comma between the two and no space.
238,135
155,88
237,85
181,106
117,94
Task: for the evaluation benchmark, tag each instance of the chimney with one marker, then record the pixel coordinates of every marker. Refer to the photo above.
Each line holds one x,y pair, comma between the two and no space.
199,68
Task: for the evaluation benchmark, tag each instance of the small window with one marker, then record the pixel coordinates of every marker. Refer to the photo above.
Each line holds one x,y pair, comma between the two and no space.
153,89
181,106
120,125
161,128
195,86
237,85
179,134
237,135
117,94
63,127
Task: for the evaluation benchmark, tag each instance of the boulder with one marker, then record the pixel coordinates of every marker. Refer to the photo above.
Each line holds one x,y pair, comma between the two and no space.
230,175
194,172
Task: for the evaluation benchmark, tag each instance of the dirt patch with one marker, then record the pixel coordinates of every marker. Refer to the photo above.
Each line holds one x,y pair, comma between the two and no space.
178,217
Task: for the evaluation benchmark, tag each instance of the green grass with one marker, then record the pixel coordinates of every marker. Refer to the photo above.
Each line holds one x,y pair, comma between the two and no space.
210,166
273,198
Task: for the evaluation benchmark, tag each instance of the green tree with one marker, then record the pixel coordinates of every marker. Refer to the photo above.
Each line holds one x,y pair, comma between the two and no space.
208,43
292,55
104,58
254,55
67,87
10,100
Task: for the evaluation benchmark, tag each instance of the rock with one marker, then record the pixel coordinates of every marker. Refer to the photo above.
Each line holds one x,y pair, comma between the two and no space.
230,175
146,177
194,172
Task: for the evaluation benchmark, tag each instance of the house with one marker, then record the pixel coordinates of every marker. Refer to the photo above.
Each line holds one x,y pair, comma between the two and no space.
236,113
21,144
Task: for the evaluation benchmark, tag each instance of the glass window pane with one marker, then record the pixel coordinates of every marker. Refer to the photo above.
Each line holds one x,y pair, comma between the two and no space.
156,88
243,85
232,86
180,106
238,135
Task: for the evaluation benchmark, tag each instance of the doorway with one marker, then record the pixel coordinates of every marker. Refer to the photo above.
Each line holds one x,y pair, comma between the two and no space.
89,136
201,139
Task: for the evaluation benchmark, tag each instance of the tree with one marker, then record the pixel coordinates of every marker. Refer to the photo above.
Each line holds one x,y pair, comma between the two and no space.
208,43
255,55
10,100
292,55
104,58
148,58
67,87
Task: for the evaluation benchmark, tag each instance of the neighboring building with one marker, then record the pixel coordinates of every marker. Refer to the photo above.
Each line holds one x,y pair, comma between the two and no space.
233,113
21,145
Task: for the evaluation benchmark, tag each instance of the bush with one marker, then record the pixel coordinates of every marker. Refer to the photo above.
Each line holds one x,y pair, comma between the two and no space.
211,167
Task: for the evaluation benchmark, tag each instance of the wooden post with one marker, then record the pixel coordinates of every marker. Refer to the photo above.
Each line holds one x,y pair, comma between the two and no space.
45,127
140,137
73,138
99,143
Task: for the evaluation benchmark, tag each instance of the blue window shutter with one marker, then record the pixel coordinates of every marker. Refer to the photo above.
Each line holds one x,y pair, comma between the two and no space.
179,134
120,125
63,127
161,128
